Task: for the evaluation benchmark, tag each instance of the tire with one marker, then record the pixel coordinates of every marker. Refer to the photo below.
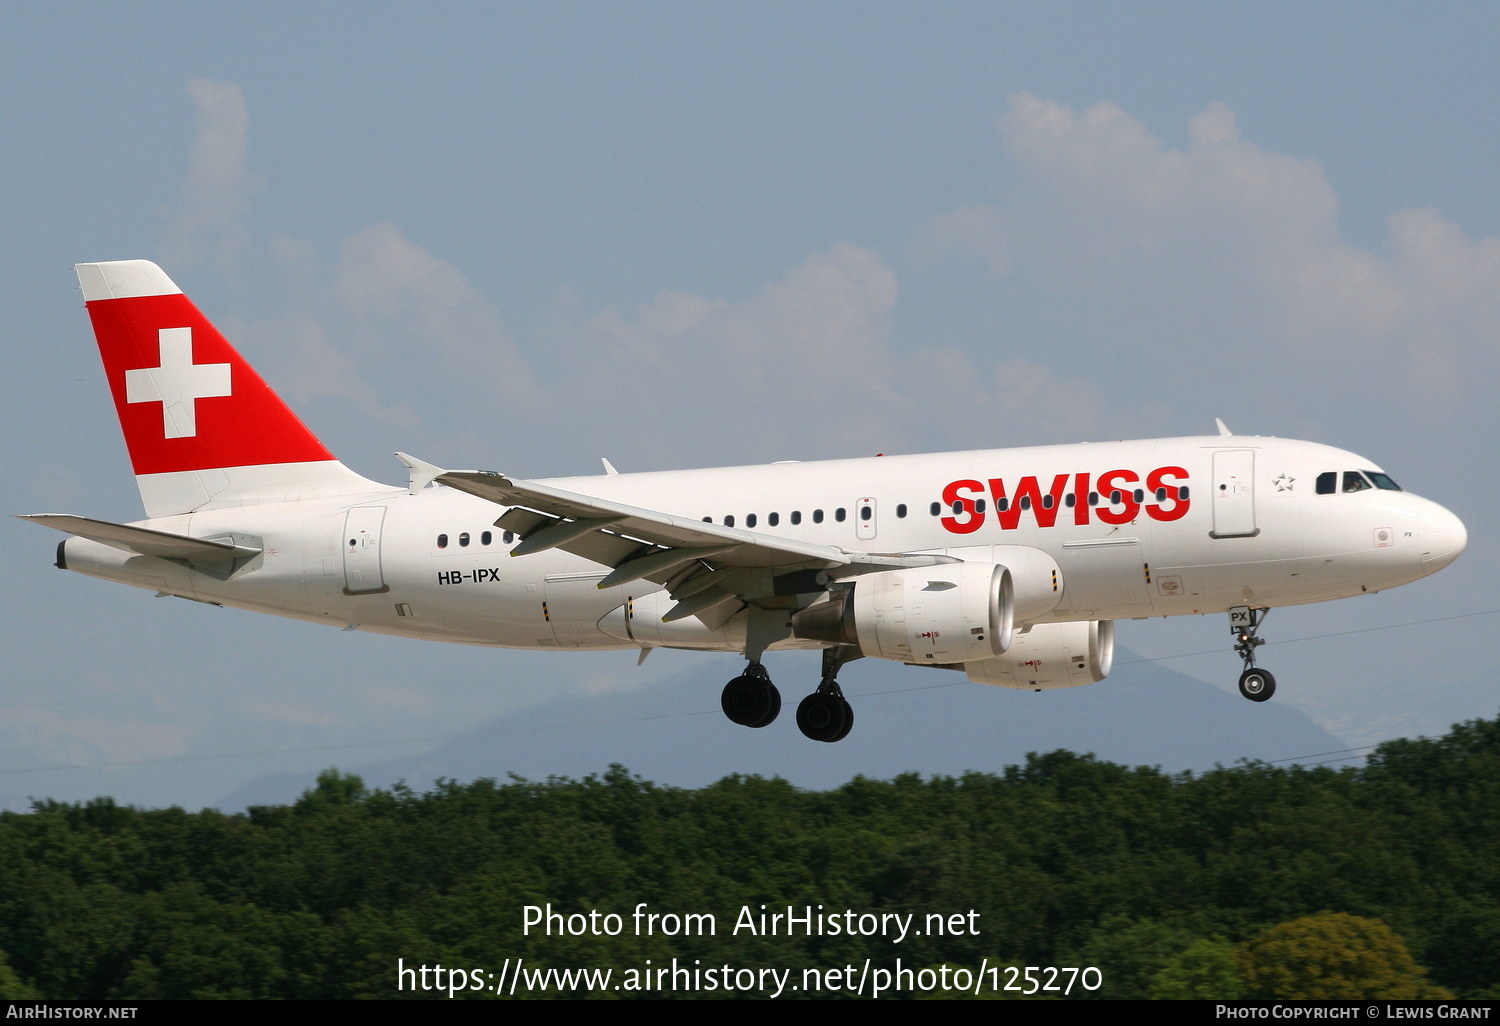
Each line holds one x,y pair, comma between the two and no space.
848,721
824,717
773,705
1257,685
750,701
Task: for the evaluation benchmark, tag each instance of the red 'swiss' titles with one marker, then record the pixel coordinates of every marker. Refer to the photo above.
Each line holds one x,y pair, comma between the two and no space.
1114,498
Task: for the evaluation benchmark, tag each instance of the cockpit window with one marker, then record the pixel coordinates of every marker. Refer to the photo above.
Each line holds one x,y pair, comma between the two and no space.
1382,481
1328,482
1354,481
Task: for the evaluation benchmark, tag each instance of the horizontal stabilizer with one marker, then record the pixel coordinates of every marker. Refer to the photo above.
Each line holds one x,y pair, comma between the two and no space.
143,540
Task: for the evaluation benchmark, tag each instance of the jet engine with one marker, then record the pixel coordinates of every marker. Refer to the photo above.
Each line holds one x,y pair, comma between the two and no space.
1051,655
935,615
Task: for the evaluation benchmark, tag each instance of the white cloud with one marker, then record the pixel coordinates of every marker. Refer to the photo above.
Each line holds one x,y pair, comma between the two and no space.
418,308
216,194
806,367
1223,263
1204,280
803,365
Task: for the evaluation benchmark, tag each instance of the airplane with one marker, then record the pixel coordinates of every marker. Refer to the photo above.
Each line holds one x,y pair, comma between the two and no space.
1007,565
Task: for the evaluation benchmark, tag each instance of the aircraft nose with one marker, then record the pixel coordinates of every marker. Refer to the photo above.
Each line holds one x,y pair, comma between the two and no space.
1445,537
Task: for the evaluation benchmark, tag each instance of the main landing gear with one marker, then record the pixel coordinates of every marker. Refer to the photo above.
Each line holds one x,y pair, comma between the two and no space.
751,700
825,715
1255,684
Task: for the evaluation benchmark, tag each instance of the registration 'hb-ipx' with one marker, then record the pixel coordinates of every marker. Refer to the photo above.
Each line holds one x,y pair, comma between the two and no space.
1006,565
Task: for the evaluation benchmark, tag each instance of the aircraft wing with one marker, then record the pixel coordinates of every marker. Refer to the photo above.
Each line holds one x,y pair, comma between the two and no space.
702,565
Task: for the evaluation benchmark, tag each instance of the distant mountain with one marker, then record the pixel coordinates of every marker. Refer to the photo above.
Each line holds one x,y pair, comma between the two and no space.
931,722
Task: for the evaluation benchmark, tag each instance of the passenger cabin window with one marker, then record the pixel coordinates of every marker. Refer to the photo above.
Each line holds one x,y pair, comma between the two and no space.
796,516
817,516
865,512
839,514
463,540
937,509
442,541
1328,483
749,519
901,511
773,519
729,520
508,537
1354,481
486,538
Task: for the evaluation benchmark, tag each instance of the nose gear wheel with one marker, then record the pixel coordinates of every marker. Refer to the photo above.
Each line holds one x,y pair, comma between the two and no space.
1255,684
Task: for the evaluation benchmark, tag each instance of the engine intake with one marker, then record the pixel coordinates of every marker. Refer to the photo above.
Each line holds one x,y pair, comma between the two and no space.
1051,655
936,615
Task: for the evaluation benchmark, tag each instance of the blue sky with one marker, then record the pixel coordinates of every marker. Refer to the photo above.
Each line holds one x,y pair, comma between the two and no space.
525,236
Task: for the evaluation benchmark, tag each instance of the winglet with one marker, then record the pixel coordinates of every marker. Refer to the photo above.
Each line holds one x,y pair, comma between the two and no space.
420,473
609,468
1224,431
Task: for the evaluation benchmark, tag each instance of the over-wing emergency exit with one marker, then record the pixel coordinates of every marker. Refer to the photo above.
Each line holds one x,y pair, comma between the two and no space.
1006,565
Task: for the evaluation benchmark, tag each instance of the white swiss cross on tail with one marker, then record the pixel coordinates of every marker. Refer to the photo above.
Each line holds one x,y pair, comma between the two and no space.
178,383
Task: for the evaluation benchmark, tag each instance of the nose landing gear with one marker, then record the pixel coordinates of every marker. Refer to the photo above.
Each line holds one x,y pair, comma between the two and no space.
1255,684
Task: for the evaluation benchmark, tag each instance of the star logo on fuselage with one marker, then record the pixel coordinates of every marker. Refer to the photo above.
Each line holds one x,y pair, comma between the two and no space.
1284,483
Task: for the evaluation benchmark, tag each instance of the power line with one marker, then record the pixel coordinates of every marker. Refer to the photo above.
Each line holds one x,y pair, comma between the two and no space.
704,712
1314,637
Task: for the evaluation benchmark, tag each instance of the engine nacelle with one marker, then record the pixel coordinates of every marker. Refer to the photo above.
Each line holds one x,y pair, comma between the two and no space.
937,615
1051,655
1035,578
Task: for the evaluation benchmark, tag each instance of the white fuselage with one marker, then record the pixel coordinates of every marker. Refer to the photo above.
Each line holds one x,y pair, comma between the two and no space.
1148,528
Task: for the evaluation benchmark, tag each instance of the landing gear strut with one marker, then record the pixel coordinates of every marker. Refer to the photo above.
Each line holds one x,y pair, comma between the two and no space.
1255,684
751,700
825,715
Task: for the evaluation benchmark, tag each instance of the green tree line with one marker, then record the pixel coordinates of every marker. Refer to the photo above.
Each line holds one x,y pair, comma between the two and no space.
1377,881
